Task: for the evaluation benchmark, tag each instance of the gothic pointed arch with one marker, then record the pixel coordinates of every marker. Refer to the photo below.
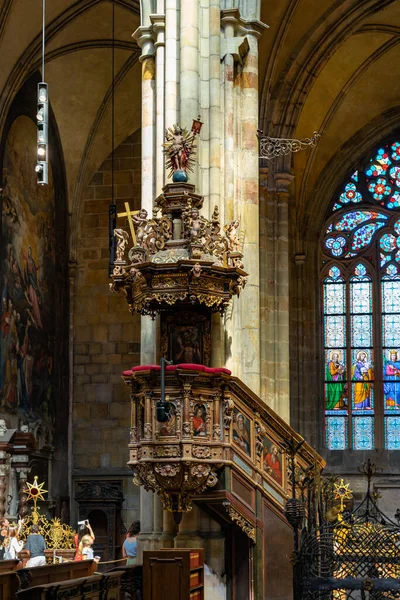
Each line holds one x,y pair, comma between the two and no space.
360,273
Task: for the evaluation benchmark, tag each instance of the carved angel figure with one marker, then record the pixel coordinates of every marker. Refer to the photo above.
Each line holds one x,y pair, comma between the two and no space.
122,238
179,147
232,235
195,225
139,222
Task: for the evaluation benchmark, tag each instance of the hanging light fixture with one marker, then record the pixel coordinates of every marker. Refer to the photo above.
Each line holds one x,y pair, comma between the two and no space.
42,117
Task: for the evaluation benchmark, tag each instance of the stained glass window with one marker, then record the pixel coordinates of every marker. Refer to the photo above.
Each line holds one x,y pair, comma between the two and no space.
361,306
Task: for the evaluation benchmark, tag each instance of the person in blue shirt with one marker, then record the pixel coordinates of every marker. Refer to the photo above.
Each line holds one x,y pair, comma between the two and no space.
129,549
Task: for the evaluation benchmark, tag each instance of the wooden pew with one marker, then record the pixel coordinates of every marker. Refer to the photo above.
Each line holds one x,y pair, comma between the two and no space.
131,581
8,565
12,581
96,587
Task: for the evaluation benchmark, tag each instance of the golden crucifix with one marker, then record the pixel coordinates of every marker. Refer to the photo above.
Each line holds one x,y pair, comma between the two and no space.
129,214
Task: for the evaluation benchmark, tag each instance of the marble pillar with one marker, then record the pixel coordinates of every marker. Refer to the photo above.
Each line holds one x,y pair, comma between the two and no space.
274,269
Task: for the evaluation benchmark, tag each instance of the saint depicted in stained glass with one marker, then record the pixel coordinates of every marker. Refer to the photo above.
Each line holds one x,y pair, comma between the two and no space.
363,375
363,309
335,388
391,386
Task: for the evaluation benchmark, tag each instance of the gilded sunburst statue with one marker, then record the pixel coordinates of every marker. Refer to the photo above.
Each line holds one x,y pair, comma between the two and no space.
35,492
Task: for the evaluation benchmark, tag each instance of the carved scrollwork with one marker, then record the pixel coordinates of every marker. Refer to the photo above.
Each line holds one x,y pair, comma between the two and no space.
180,235
228,407
134,435
216,432
246,526
167,470
260,434
147,430
167,452
201,451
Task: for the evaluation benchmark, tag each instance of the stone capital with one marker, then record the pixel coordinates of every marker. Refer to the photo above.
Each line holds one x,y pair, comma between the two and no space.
252,27
283,181
158,22
23,471
145,39
299,259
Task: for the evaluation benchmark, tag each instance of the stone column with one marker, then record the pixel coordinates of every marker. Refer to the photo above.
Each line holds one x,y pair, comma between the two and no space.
172,60
275,291
158,22
4,469
215,109
169,530
188,535
249,209
144,37
229,22
189,61
22,495
146,523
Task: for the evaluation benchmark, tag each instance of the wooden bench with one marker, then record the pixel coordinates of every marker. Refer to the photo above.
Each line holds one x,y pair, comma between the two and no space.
96,587
131,581
12,581
8,565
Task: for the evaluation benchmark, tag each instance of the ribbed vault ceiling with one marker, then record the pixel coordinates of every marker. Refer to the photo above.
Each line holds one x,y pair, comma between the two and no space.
327,66
78,71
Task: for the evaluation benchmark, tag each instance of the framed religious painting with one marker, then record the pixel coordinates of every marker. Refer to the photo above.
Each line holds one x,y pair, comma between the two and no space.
241,432
273,461
186,337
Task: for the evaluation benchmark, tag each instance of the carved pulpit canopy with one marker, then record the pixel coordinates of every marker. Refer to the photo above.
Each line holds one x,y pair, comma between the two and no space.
179,257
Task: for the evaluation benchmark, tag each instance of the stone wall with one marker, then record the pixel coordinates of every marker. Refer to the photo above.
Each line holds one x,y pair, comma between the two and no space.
106,336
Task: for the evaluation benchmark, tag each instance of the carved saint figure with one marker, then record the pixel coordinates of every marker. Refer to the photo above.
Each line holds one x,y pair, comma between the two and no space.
122,238
195,225
232,236
139,222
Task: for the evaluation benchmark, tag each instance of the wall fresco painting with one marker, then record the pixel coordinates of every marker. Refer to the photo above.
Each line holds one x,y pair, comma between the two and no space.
27,322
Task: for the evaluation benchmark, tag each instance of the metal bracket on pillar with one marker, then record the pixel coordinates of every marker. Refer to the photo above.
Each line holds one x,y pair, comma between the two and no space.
270,148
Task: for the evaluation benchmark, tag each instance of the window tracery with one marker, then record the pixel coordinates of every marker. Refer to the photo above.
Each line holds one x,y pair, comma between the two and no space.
361,305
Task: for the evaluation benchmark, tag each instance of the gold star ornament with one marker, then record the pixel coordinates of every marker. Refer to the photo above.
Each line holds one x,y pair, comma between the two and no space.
342,493
35,490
